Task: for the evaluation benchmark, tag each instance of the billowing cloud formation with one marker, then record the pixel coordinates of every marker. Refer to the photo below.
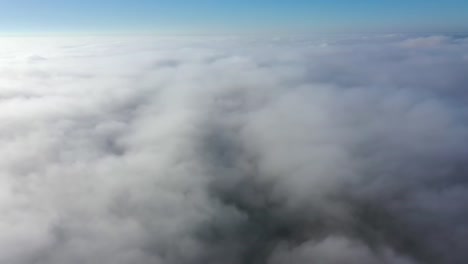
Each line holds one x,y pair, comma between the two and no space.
228,150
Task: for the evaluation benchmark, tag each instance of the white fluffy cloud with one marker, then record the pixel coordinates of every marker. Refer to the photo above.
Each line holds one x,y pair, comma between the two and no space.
234,150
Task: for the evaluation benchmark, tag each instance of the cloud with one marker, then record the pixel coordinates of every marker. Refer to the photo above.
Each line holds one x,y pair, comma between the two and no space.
233,150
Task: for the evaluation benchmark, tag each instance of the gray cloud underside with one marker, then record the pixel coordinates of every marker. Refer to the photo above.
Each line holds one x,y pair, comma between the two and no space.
228,151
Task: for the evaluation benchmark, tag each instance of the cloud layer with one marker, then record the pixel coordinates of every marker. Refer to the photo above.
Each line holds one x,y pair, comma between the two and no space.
234,150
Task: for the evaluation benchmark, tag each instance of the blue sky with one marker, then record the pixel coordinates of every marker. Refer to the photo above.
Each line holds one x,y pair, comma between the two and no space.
232,16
